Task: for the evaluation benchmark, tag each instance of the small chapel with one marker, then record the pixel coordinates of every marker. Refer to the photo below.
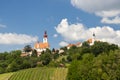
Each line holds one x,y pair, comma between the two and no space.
92,40
42,46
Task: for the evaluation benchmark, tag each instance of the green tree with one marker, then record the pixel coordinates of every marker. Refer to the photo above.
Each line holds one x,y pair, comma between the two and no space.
45,58
73,73
26,64
85,44
100,47
12,67
27,48
102,67
34,53
2,70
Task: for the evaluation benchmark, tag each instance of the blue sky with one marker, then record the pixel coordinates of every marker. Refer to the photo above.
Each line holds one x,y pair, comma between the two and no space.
23,22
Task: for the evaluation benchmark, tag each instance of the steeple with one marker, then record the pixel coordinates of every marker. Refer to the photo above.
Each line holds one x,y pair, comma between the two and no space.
45,34
94,35
45,37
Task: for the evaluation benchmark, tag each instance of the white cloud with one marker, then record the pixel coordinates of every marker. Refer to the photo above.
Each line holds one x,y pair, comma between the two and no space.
2,26
96,5
76,32
70,32
63,43
111,13
55,35
102,8
110,17
115,20
13,38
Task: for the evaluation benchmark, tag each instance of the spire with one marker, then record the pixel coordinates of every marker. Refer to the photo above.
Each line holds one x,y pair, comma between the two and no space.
45,34
45,37
93,34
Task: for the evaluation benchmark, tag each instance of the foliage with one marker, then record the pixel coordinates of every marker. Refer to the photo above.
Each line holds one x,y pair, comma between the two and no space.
45,58
34,53
12,67
100,47
1,70
103,67
73,71
76,53
100,59
85,44
27,48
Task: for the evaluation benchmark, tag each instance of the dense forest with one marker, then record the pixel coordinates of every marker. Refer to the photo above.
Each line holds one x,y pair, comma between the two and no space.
99,61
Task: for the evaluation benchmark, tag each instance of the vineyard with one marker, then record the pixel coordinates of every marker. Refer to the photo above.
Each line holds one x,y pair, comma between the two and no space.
5,76
40,74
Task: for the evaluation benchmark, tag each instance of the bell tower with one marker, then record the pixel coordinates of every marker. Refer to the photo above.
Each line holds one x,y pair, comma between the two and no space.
45,39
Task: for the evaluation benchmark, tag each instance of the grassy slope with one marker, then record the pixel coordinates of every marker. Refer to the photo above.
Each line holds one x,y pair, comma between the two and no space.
5,76
59,74
40,74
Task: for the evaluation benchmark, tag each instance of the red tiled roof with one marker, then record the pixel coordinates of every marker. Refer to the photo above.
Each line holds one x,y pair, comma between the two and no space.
70,45
90,40
41,45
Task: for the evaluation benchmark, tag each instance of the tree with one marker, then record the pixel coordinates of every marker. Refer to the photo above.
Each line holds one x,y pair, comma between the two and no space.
12,67
1,70
73,73
34,53
55,56
26,64
102,67
53,50
100,47
85,44
113,47
27,48
69,58
45,58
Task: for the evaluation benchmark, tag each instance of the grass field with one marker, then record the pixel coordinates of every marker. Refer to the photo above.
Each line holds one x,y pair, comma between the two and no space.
59,74
40,74
5,76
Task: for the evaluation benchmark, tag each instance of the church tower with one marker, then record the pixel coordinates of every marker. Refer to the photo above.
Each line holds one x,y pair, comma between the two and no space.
45,37
93,39
94,36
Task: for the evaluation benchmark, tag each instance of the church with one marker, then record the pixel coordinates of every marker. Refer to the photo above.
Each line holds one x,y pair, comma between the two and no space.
42,46
92,40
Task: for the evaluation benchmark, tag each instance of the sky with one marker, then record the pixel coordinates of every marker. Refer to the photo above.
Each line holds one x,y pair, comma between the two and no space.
23,22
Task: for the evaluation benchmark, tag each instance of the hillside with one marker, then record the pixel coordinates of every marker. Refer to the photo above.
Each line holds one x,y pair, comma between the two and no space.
5,76
40,74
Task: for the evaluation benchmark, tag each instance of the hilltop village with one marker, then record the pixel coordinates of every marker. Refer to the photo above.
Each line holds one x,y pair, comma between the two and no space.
90,56
40,47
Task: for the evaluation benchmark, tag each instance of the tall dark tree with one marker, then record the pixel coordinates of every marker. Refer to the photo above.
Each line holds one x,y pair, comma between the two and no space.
27,48
34,53
53,50
85,44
